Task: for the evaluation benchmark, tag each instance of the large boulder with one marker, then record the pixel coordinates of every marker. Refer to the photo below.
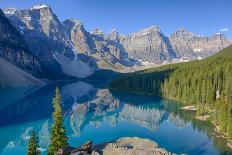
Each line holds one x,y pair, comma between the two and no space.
133,146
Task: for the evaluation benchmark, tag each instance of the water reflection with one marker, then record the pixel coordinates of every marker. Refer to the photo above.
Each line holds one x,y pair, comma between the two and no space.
92,112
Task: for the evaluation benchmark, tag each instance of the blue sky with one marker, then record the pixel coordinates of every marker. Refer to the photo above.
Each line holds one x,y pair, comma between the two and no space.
204,17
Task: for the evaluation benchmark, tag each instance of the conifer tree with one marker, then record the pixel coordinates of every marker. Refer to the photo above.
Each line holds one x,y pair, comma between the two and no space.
33,145
206,84
58,138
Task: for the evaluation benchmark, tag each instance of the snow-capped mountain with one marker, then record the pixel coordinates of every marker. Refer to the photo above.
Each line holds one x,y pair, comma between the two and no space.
47,39
67,48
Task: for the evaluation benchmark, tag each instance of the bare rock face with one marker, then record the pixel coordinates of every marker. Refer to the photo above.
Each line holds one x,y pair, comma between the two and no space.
148,45
46,36
80,38
47,39
14,49
134,146
43,33
95,43
189,46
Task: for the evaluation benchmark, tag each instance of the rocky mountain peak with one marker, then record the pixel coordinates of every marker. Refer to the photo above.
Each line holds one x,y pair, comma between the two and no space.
97,31
73,23
149,30
39,6
47,36
182,33
9,10
14,49
219,35
113,35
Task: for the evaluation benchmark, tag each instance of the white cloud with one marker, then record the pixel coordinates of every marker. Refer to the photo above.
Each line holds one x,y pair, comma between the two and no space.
224,29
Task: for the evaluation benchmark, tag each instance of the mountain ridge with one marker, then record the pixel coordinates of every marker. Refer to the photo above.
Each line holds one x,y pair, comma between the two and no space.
58,44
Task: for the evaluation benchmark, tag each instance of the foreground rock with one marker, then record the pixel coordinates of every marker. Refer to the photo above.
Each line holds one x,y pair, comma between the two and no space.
133,146
123,146
83,150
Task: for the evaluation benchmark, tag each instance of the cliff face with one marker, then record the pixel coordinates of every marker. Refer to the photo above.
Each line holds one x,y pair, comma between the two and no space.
95,43
148,45
14,49
190,46
47,39
59,44
43,33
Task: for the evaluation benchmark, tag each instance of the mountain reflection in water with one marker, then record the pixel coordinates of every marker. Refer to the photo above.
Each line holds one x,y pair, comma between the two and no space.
92,112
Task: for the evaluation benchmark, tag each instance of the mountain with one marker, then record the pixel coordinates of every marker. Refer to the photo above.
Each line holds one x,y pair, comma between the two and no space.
206,84
47,39
13,48
107,52
18,64
149,45
190,46
67,48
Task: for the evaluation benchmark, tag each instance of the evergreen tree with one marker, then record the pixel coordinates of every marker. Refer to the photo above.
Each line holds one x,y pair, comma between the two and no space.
33,145
206,84
58,138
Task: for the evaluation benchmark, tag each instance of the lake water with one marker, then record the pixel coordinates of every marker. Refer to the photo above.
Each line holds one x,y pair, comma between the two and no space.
93,113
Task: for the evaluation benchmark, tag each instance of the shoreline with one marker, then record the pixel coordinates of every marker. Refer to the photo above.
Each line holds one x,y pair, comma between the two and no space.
222,135
194,109
204,118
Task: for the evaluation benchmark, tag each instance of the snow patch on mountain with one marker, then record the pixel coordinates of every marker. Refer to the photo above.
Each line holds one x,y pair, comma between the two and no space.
74,67
39,6
9,11
144,63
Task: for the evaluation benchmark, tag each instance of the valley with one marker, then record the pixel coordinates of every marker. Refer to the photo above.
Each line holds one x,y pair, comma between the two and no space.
72,84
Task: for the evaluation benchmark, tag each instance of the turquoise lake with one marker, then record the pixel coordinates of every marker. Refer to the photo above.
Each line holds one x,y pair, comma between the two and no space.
92,112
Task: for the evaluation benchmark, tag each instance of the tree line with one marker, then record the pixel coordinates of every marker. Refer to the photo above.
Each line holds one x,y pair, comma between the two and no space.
205,83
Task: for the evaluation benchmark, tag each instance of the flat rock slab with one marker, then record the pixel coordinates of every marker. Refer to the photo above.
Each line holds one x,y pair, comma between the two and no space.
134,146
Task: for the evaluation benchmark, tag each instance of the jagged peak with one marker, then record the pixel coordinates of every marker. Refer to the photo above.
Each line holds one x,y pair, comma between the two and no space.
9,10
151,29
39,6
222,35
113,30
97,31
76,21
183,32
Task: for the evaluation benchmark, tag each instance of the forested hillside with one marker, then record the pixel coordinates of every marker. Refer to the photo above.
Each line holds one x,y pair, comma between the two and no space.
205,83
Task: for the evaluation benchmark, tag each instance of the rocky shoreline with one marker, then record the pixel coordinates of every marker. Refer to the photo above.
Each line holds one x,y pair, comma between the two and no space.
123,146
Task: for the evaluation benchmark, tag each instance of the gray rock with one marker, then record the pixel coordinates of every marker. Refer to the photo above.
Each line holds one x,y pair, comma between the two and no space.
14,49
46,36
132,146
43,33
190,46
148,45
95,43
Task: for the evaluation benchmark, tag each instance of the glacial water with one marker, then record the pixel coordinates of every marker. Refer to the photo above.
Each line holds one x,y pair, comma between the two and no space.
93,113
